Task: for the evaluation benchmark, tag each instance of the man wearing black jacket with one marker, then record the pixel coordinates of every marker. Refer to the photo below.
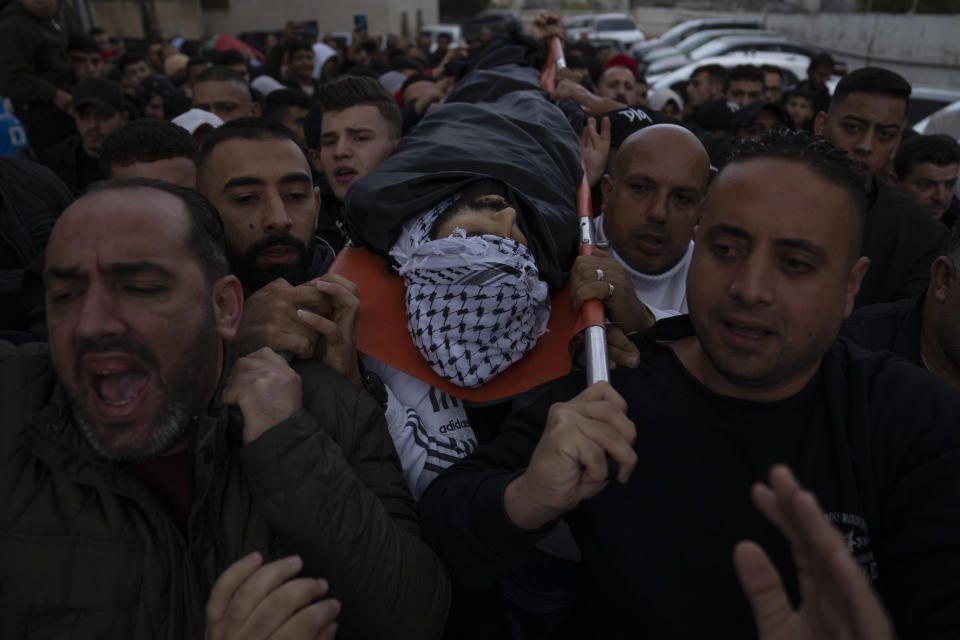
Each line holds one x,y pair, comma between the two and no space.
925,329
751,379
866,119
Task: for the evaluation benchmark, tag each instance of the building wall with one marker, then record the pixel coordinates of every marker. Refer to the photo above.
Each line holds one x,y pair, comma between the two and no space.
383,16
924,48
174,17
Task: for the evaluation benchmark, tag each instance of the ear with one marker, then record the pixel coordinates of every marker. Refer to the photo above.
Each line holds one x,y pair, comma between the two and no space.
819,122
314,156
606,187
854,278
942,275
227,306
255,109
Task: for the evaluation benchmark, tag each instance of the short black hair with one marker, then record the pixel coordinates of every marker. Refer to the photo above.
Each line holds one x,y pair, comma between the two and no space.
818,155
243,129
206,241
80,42
798,92
822,59
279,101
351,91
195,60
415,77
146,140
96,31
297,45
875,80
717,73
401,62
939,149
227,57
771,68
313,126
127,59
220,73
743,72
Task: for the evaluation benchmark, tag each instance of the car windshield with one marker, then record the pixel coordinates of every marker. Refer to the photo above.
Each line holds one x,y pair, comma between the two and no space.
615,24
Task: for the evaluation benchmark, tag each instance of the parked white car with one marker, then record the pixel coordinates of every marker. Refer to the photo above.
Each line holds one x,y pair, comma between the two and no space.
793,65
604,26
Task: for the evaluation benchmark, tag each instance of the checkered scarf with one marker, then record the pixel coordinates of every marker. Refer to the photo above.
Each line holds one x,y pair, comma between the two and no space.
475,304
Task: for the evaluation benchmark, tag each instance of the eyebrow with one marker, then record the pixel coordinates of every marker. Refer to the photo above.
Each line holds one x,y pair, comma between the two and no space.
865,121
115,269
349,130
255,181
815,250
818,252
724,229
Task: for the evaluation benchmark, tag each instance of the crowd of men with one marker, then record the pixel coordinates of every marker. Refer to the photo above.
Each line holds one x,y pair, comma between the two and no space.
193,444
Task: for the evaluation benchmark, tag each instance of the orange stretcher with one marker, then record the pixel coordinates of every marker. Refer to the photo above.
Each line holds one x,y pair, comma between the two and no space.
382,326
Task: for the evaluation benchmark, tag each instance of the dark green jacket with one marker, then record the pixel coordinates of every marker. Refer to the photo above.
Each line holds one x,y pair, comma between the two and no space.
34,57
88,551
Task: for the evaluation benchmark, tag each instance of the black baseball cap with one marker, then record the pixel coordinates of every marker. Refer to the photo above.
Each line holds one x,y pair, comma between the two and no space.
746,114
624,122
101,93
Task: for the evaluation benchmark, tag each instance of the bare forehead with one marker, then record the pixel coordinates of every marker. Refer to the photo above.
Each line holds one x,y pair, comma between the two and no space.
126,222
614,74
361,116
665,149
259,157
217,90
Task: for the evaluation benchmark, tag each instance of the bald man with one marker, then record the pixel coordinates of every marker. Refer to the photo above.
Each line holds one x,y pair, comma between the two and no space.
651,203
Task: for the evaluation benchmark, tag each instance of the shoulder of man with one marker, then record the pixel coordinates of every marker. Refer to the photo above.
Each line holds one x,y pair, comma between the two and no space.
893,207
887,326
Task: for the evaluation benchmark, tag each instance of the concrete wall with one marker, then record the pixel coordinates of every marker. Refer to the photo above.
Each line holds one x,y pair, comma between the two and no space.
925,49
173,17
383,16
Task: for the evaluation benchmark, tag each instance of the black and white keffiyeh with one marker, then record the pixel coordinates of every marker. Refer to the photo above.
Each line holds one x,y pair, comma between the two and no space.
475,305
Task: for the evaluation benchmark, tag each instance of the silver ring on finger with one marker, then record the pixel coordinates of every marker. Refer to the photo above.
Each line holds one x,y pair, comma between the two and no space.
600,275
610,290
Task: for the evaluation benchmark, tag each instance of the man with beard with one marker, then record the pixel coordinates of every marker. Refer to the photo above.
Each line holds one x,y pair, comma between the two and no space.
260,181
140,462
753,379
865,119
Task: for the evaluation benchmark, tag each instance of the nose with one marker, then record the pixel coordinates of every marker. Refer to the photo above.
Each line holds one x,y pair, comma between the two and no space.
275,216
943,193
343,148
863,145
657,212
99,315
506,218
753,281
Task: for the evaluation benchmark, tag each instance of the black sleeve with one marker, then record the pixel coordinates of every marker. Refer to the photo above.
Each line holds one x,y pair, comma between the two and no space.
462,512
917,460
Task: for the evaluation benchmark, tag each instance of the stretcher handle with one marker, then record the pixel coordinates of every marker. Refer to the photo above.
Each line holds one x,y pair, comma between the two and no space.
555,60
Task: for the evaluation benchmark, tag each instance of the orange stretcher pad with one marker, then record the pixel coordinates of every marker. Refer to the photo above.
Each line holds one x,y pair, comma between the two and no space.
382,332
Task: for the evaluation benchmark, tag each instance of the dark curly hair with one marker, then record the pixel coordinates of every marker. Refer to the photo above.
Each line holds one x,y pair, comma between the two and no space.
815,153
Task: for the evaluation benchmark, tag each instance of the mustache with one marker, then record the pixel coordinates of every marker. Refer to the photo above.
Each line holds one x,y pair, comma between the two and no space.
274,240
118,344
